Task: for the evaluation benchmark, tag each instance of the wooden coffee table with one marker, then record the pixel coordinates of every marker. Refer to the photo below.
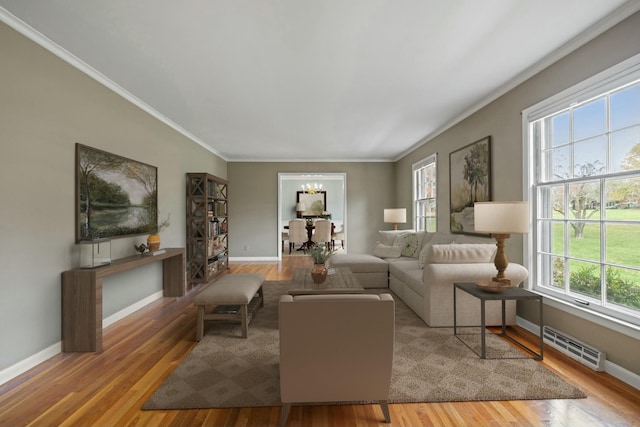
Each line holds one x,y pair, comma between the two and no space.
342,281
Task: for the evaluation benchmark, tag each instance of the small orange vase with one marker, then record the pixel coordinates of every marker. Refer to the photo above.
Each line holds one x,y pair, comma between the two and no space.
153,242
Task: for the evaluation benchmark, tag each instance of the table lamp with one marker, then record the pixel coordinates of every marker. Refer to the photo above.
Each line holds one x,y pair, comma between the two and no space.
300,207
501,219
395,216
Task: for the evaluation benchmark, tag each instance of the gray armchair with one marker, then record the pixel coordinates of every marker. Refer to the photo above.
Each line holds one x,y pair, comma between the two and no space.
336,348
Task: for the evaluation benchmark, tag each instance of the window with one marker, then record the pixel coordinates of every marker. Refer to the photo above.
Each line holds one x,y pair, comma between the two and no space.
584,176
424,194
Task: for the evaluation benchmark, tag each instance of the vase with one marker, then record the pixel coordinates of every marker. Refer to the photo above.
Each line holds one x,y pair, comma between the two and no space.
319,273
153,242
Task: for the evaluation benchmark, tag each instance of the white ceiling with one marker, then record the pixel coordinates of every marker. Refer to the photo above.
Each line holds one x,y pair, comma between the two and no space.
289,80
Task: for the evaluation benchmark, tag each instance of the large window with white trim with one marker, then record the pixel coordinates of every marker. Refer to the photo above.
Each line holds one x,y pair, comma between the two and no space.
584,176
424,194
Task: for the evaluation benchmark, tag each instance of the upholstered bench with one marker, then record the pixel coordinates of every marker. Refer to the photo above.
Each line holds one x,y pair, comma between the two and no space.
236,296
371,271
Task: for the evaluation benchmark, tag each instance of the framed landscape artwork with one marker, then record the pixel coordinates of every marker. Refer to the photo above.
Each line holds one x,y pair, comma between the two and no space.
314,203
470,182
115,196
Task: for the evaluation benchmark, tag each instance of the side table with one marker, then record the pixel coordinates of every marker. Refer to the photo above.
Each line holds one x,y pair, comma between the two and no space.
505,295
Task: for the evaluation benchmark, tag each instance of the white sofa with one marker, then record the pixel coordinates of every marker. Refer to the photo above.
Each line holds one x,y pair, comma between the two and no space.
421,268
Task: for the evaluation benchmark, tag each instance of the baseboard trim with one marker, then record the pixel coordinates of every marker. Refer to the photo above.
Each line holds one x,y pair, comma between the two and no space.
108,321
24,365
610,368
32,361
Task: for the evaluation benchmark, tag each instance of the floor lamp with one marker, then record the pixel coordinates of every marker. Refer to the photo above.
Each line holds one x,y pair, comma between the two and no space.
501,219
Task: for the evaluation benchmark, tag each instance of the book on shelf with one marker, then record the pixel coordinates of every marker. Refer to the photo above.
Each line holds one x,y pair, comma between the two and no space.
154,253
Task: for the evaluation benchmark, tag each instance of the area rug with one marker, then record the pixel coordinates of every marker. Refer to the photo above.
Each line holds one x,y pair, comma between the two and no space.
430,365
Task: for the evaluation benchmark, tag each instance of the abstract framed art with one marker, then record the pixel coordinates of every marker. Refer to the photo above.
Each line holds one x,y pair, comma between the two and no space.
470,182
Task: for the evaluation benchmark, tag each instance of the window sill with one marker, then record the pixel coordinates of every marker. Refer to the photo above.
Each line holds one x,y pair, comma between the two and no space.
603,320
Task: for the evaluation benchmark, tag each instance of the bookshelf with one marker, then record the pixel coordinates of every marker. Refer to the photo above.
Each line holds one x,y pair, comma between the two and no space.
207,227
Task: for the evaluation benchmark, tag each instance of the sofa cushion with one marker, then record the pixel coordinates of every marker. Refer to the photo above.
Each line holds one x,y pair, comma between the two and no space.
388,237
402,267
384,251
359,263
461,253
431,239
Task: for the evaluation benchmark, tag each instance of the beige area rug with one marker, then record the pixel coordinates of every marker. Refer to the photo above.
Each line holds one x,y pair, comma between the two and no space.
430,365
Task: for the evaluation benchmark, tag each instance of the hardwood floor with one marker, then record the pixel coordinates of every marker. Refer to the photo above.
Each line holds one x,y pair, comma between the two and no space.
109,388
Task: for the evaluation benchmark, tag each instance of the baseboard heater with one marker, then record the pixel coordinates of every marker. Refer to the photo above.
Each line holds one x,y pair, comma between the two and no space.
574,348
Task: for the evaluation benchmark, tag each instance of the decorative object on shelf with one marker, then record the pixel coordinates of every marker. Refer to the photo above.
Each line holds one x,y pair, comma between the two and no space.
395,216
141,248
300,208
470,182
115,196
153,241
320,253
501,219
95,253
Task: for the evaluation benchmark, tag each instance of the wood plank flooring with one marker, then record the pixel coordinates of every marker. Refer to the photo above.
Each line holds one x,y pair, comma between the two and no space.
109,388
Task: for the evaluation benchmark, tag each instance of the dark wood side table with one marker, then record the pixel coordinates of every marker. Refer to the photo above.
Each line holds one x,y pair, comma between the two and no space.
505,295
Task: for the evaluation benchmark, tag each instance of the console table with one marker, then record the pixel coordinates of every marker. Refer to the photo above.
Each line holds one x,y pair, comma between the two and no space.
82,295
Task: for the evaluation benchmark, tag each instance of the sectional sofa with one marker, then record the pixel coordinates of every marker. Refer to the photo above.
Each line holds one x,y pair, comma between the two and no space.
421,268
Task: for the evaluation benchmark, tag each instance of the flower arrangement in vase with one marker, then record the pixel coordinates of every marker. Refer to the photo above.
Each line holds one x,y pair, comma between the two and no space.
320,253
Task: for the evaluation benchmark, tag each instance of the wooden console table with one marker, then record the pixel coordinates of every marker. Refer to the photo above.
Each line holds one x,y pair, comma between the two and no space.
82,295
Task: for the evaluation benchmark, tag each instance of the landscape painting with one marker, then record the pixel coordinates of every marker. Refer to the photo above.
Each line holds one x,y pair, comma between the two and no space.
315,203
470,182
115,196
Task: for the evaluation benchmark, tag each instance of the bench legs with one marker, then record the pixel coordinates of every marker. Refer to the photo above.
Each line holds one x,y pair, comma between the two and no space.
242,316
200,323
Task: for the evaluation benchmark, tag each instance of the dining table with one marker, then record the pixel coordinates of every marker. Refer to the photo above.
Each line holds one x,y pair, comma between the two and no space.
309,243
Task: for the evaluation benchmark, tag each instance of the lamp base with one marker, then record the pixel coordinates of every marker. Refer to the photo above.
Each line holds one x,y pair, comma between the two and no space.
503,280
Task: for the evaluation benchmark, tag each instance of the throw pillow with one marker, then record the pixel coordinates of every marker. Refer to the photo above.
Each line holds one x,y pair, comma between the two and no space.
461,253
388,237
430,240
409,244
385,251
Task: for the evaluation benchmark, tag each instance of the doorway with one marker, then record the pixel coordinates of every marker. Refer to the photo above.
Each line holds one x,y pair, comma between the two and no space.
334,185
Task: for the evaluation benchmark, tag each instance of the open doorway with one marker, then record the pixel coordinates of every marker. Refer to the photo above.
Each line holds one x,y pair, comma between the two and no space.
293,186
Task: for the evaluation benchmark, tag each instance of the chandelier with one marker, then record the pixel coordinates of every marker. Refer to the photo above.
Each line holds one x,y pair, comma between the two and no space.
311,188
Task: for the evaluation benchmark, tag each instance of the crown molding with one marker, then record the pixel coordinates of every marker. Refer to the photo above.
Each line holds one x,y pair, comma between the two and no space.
612,19
37,37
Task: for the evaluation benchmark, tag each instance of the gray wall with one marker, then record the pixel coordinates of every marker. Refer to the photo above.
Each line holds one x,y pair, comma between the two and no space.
46,106
501,119
253,204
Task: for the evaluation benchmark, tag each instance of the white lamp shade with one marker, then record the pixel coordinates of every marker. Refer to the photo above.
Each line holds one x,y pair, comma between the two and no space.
300,207
501,217
395,216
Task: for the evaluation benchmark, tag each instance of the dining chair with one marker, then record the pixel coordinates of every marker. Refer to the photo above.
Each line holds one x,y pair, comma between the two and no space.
337,235
297,234
322,232
284,235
